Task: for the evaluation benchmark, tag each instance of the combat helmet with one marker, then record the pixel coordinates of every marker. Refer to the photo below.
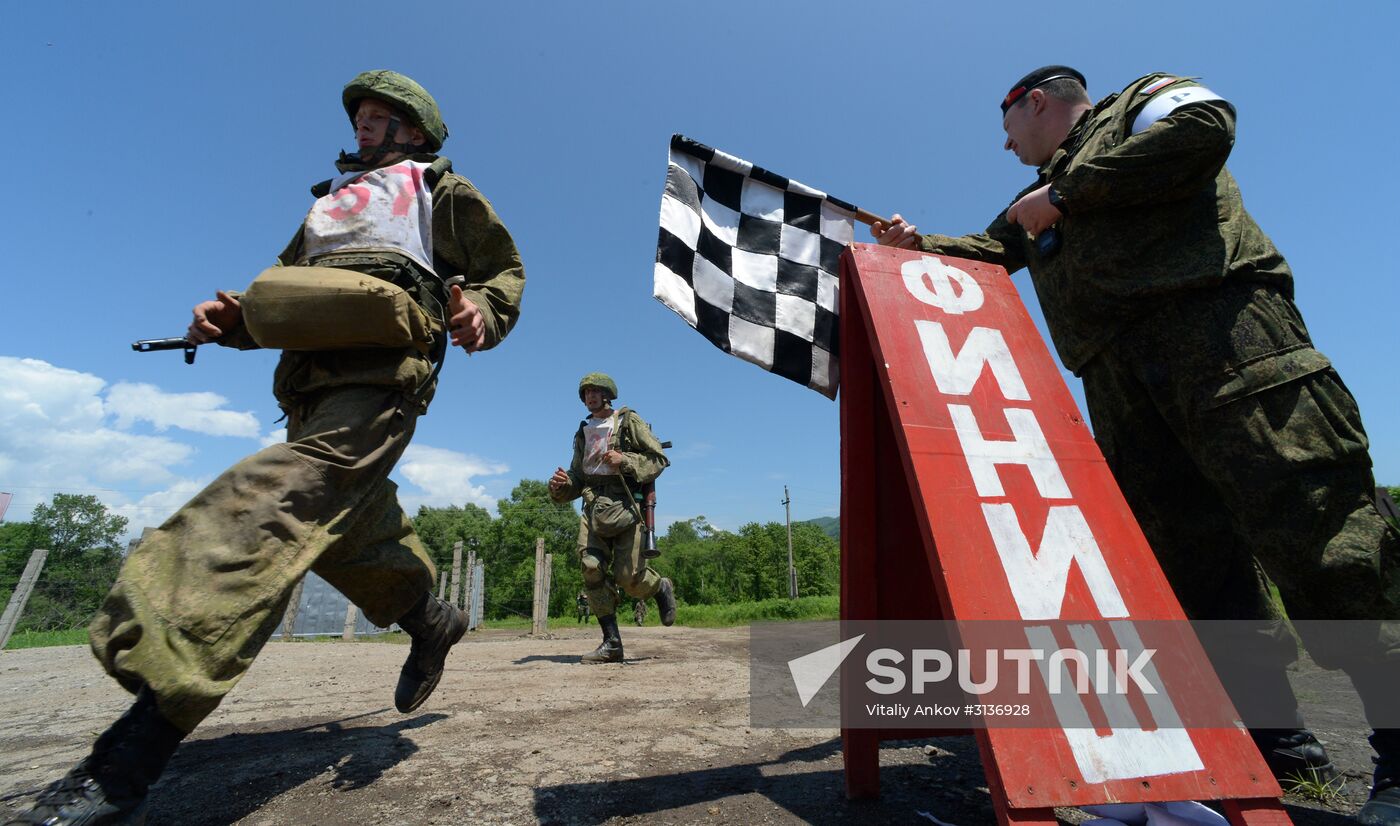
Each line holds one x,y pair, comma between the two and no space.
401,92
599,380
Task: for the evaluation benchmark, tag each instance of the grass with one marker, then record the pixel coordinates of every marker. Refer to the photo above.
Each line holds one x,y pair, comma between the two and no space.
1326,792
45,639
744,613
734,613
695,616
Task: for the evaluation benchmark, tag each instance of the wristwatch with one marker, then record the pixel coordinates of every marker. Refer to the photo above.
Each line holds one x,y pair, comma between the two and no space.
1056,201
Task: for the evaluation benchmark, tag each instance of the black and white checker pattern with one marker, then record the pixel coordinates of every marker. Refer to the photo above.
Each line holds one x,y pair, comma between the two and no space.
750,259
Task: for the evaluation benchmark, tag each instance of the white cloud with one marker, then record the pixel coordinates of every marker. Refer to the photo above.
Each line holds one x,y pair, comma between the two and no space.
154,508
65,431
195,412
445,477
36,391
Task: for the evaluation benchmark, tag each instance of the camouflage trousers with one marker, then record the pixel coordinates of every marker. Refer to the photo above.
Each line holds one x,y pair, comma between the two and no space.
613,564
1238,449
199,597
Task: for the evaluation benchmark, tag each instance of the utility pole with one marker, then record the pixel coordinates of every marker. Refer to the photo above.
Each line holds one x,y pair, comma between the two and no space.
792,572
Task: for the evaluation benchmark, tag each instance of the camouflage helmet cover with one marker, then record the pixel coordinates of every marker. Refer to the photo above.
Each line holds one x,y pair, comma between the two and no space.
600,380
401,92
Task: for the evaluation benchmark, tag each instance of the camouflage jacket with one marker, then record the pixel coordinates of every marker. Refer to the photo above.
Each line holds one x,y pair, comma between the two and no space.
642,457
1148,215
469,239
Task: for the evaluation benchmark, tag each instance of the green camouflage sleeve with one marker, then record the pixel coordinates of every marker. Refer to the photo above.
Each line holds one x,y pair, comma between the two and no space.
1003,244
238,337
574,489
1168,160
644,459
469,238
288,257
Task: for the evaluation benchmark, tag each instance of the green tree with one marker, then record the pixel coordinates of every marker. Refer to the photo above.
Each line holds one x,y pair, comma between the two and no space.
22,537
17,541
441,528
78,524
83,540
526,514
711,566
817,558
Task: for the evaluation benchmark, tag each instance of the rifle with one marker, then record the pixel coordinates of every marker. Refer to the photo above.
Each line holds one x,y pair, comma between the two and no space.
149,345
648,492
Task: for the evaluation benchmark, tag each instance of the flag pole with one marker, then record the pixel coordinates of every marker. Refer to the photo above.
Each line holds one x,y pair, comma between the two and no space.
868,218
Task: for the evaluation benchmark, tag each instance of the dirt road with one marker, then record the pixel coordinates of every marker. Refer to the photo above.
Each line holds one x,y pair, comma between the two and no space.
518,732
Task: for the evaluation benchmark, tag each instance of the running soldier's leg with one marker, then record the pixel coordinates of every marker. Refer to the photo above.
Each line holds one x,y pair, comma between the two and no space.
629,568
380,563
199,597
595,559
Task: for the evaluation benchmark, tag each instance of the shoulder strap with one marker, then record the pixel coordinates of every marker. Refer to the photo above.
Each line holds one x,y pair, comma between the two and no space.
436,170
616,439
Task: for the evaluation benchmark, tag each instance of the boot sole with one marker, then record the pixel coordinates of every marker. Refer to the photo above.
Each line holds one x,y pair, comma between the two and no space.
668,619
430,685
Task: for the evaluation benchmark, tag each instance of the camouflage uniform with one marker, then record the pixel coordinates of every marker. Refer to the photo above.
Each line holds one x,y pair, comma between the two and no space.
616,562
200,596
1232,438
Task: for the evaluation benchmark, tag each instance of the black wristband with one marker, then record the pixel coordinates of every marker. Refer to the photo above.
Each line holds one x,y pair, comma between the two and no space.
1056,201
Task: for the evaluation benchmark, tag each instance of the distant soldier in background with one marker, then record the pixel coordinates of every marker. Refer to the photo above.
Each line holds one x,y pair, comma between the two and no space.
583,609
639,611
615,454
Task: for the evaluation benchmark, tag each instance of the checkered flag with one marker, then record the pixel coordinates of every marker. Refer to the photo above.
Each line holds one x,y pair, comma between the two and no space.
749,259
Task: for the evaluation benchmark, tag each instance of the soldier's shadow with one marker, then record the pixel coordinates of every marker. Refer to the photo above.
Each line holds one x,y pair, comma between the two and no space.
243,772
572,659
802,781
568,659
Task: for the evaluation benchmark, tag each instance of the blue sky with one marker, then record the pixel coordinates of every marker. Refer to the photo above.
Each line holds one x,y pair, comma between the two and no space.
157,152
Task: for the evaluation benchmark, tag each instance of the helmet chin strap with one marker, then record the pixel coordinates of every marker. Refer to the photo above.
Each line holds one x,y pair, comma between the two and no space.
387,145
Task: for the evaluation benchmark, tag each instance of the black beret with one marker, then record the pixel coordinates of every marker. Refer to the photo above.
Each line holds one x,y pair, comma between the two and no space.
1039,77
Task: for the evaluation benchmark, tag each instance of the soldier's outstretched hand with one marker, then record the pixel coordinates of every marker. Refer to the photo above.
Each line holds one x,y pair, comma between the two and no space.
896,233
467,325
559,479
212,318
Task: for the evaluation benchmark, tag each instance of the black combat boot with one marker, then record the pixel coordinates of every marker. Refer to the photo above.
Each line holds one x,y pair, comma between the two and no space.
611,649
1294,755
666,602
1383,809
435,626
109,785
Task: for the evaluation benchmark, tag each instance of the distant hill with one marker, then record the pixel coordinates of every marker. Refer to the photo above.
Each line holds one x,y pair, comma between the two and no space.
830,525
